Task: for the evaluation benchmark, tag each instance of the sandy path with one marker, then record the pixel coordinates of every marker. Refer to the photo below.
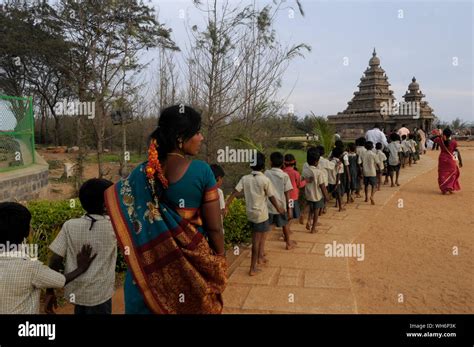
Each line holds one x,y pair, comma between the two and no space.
409,250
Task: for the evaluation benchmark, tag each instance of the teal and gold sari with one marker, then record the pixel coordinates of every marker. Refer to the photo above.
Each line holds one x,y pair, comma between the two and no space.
171,268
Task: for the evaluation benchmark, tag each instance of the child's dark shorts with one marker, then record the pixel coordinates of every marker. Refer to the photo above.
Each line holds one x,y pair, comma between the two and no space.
104,308
370,180
262,227
278,220
335,190
313,205
393,168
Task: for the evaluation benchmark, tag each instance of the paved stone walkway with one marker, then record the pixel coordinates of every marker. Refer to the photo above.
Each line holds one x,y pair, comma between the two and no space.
304,280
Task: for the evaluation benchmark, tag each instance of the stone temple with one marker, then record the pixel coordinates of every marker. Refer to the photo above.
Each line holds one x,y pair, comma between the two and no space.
374,103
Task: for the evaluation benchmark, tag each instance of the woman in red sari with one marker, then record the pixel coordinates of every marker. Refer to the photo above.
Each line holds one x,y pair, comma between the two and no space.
448,170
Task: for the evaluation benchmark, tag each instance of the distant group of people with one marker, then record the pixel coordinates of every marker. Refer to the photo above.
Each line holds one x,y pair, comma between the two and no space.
412,144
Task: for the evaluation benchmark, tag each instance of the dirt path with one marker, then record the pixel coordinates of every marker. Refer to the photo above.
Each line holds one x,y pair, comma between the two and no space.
409,250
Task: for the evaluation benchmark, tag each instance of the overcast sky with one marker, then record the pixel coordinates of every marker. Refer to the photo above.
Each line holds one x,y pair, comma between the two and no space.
432,40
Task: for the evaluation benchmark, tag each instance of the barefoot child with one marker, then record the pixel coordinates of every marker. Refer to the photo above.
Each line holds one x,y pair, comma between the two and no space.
406,150
370,161
92,294
413,150
383,160
282,184
22,276
394,150
345,176
257,188
360,148
296,183
315,189
353,170
325,165
334,177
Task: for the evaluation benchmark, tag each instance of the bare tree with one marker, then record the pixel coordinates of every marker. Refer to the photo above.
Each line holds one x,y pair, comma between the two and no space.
235,67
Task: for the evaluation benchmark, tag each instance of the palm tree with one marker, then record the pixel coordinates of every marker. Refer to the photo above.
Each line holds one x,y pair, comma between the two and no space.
458,124
325,132
250,143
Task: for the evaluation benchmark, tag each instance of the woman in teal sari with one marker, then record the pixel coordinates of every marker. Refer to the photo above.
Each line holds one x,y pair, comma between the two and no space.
167,220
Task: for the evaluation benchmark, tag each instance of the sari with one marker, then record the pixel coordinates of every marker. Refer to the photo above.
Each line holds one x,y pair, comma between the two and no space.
171,267
448,171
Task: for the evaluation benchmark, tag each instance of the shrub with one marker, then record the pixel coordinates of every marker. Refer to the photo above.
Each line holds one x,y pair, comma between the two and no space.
47,219
236,227
49,216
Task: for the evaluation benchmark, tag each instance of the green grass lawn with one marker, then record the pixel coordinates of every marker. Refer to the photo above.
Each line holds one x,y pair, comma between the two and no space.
299,154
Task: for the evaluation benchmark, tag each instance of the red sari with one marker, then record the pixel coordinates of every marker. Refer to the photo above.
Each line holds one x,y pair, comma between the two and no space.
448,171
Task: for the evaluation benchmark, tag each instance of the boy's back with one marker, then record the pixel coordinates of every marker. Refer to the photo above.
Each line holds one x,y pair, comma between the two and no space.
382,158
312,190
21,281
394,148
96,285
282,183
325,165
257,187
370,161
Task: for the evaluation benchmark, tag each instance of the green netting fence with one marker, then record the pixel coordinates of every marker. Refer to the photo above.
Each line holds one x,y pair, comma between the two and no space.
17,136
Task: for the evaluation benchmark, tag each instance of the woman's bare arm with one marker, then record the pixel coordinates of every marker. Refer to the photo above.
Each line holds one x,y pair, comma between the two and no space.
459,157
211,216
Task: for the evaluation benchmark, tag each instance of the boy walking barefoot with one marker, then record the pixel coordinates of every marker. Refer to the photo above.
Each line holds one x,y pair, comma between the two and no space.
394,150
335,182
370,161
383,160
92,294
257,188
296,182
283,187
315,189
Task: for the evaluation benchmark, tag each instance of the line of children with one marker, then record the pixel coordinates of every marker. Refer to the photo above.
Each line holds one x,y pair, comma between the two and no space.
278,188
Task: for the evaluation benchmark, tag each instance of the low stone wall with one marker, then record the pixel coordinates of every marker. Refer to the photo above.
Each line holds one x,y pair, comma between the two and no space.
27,183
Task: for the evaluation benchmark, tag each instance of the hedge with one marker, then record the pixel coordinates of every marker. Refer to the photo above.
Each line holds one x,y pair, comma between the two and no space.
49,216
